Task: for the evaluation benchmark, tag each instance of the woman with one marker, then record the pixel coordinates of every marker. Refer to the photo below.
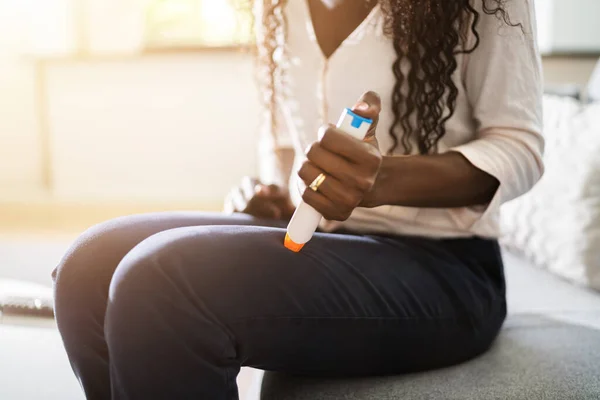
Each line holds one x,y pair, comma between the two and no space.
406,273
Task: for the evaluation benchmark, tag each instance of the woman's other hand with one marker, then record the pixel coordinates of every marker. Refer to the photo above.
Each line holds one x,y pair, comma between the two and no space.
350,165
259,200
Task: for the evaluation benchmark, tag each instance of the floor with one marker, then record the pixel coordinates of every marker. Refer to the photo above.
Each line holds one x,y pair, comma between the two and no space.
33,364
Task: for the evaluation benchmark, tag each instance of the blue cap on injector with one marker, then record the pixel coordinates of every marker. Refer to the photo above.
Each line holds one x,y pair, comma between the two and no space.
357,120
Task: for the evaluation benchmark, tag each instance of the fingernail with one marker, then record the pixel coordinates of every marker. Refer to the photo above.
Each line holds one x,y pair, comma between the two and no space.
361,106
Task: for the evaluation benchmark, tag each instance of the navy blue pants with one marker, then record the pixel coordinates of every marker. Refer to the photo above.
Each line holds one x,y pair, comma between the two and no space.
170,306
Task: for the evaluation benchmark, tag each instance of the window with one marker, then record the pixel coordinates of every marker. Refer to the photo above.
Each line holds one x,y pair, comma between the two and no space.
569,27
197,23
125,27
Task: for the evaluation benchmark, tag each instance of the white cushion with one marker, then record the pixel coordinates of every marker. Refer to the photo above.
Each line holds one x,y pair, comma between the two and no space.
531,290
594,85
557,224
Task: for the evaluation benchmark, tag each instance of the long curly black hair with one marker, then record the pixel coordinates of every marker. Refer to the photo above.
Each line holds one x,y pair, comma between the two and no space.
427,34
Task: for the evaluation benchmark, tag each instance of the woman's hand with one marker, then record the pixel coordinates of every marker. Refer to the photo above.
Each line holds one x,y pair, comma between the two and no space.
351,166
259,200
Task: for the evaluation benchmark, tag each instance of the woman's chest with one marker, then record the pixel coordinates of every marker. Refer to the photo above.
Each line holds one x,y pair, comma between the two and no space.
318,88
333,21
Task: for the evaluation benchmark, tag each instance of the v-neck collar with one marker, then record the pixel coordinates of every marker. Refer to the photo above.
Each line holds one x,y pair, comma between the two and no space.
313,36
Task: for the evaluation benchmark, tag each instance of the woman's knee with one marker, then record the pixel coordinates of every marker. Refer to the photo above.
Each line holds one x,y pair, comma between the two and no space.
163,262
205,266
160,303
91,260
142,285
100,249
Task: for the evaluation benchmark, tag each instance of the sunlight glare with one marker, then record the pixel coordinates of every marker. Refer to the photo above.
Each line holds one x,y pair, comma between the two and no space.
219,21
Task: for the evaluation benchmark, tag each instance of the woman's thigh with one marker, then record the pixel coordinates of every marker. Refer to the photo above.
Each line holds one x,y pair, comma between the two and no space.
86,269
107,243
345,304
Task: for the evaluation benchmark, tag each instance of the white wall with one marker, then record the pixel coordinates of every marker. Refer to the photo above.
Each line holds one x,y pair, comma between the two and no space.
19,149
164,128
157,128
167,128
576,26
568,25
153,128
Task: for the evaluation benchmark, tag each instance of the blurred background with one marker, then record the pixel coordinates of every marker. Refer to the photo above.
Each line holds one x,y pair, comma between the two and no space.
110,107
114,106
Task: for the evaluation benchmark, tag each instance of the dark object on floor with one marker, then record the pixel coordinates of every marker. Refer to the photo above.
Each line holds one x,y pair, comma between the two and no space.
25,299
26,306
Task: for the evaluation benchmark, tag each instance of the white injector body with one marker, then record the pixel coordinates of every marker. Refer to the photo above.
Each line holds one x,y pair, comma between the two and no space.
306,219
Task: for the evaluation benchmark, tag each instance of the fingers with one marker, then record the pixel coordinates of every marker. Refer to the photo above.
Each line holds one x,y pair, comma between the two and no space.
369,106
274,192
252,188
354,150
267,210
256,199
349,160
236,201
249,187
351,165
331,162
344,198
323,205
261,208
321,199
268,192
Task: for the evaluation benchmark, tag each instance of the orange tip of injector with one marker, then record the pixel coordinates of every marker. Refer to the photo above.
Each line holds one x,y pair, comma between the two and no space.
291,245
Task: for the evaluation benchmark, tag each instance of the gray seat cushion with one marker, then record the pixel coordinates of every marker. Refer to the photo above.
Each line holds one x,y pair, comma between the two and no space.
535,357
549,348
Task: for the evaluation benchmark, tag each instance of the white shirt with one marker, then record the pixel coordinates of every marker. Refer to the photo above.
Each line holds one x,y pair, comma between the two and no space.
497,123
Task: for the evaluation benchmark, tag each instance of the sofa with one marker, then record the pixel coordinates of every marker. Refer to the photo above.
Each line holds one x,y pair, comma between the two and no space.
549,347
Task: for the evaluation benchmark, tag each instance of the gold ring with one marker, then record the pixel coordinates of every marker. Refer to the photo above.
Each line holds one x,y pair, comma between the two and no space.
317,182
